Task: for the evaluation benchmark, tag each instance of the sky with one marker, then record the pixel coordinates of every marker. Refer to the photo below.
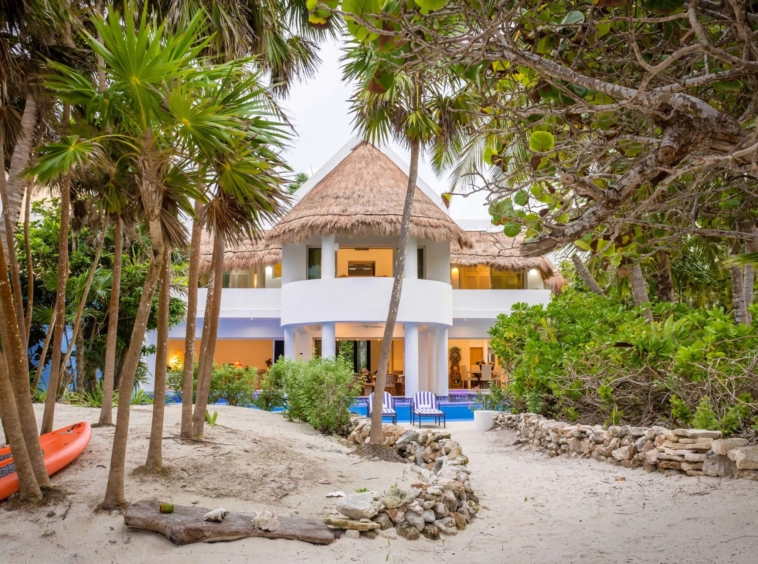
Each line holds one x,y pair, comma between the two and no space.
320,112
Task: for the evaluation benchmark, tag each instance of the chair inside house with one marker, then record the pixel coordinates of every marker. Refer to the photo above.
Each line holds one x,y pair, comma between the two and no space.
391,384
425,404
486,374
388,406
465,376
498,375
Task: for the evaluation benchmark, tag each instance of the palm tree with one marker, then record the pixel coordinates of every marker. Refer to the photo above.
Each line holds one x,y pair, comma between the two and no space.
415,112
300,179
278,35
184,125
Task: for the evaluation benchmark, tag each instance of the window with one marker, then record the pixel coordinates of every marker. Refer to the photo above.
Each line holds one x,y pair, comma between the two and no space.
314,263
360,269
506,280
277,273
482,277
421,265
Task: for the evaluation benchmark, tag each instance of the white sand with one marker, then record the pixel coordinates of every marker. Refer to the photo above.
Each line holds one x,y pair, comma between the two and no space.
539,510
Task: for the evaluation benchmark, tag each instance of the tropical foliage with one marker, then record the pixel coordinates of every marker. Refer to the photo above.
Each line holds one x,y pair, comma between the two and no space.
595,359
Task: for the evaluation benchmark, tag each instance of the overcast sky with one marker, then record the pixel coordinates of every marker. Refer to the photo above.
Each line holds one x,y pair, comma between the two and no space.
320,112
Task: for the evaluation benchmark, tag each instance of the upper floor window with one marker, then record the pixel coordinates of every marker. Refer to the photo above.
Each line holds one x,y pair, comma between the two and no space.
484,277
258,277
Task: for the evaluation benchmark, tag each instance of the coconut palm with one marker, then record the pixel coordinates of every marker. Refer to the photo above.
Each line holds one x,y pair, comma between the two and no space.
184,124
417,113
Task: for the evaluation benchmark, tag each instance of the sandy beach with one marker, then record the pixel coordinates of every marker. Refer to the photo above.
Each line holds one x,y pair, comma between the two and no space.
536,509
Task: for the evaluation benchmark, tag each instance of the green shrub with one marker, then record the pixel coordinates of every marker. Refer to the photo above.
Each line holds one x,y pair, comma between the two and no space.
597,359
271,395
494,400
705,417
319,391
235,385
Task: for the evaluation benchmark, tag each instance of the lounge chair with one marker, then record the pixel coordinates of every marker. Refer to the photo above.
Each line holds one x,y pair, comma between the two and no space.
388,406
425,404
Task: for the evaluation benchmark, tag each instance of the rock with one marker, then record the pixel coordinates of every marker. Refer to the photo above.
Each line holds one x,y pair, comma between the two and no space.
460,521
335,494
450,501
697,433
440,510
420,457
429,516
431,532
723,446
748,474
637,431
390,534
623,453
429,504
414,507
351,534
349,524
695,457
653,432
447,526
396,515
435,491
266,520
359,506
384,521
669,465
217,515
407,531
718,466
370,534
397,497
687,466
745,458
466,512
643,444
416,520
406,438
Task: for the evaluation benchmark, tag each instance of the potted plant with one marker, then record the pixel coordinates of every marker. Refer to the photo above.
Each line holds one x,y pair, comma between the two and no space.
488,405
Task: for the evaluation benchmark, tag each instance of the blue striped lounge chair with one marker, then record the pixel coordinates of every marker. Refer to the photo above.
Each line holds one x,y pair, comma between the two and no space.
388,406
425,404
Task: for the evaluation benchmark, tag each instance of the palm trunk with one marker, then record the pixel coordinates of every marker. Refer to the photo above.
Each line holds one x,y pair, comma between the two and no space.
10,247
53,382
738,295
751,247
75,338
586,275
106,411
210,332
29,263
43,354
663,280
639,291
22,154
152,199
18,368
189,339
376,436
155,449
28,486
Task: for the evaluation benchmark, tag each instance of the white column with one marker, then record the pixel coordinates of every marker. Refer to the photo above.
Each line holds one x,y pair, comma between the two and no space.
328,338
328,266
411,259
290,345
411,359
423,361
442,370
151,339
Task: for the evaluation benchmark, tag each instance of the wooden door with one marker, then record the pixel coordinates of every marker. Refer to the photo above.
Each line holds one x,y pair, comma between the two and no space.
476,354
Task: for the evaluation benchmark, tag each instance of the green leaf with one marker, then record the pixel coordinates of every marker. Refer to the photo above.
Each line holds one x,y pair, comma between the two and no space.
521,198
603,28
581,244
728,85
573,17
663,6
511,229
430,4
541,141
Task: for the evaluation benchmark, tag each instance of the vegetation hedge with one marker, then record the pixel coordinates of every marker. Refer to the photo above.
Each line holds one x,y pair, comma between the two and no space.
594,359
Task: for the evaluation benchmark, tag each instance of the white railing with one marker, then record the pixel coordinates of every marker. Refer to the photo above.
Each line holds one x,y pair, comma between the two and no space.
488,304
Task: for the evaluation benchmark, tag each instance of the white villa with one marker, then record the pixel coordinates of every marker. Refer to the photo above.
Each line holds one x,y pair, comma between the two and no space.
320,282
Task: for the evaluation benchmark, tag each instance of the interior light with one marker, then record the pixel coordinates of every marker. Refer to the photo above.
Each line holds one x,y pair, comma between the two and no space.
455,269
533,271
237,364
269,270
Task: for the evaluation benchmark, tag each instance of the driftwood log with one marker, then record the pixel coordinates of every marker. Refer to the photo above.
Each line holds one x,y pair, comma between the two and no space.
186,526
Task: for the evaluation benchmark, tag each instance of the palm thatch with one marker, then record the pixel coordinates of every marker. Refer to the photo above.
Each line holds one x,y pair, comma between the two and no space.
501,252
362,196
249,254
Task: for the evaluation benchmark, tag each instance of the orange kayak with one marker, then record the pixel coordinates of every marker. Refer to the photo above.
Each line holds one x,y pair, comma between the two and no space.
60,448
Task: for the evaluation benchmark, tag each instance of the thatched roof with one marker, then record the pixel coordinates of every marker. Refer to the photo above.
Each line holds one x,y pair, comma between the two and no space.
364,195
247,255
498,251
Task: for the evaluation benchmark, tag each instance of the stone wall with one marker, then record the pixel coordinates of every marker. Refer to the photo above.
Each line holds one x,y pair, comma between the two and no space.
696,452
439,502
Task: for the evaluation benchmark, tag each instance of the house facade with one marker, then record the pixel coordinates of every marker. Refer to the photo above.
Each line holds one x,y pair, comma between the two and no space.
320,281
